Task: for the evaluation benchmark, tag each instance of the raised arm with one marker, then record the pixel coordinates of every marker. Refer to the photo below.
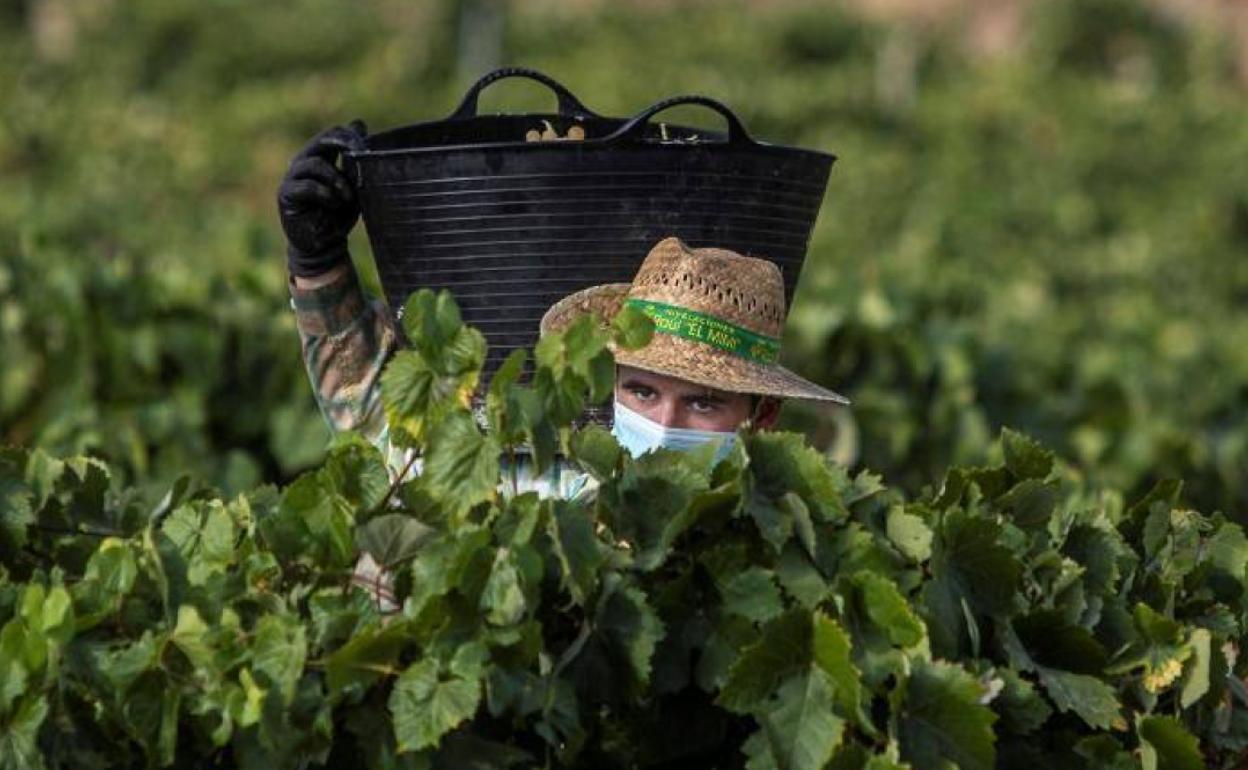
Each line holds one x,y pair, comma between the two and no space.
346,338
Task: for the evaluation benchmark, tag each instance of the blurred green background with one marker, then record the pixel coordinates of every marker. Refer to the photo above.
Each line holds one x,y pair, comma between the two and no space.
1039,217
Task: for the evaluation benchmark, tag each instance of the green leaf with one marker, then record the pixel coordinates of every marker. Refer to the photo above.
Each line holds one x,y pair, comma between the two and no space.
1196,677
190,635
969,564
799,577
752,594
503,598
426,706
631,329
313,523
792,643
1031,503
1089,697
799,724
19,738
578,549
941,719
421,386
1228,551
461,467
112,566
783,462
371,653
499,400
392,538
830,652
14,675
356,470
278,653
16,513
783,648
1025,457
633,628
1022,708
1166,745
888,609
596,450
909,533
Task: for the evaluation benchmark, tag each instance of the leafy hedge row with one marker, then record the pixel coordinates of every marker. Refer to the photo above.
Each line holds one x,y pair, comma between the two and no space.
769,612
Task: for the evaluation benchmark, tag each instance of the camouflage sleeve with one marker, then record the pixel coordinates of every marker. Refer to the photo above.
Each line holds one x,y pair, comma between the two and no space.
346,341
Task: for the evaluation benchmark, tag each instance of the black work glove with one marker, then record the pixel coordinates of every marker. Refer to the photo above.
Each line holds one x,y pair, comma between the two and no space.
317,204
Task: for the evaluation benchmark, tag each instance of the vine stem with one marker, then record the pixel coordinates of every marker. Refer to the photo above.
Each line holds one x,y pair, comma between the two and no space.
394,486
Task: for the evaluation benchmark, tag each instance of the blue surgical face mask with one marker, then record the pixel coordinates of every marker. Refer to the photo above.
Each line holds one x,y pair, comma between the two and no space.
639,434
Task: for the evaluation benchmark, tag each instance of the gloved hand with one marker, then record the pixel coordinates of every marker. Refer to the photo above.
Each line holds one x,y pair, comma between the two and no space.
317,204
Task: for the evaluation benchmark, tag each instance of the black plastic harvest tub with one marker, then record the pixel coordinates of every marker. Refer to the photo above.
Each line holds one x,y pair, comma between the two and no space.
510,225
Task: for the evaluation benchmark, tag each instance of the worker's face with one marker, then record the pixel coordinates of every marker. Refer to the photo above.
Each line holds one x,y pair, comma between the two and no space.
677,403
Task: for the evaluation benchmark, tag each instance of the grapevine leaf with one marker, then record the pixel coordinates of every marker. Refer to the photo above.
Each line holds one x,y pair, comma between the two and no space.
909,533
356,470
461,467
1228,551
784,462
971,565
125,665
830,653
752,594
19,748
800,726
313,522
16,512
941,719
503,598
372,652
799,577
190,636
596,450
425,706
499,399
1089,697
889,610
1053,642
760,668
579,551
13,671
392,538
631,328
113,567
1022,708
1166,745
279,652
791,643
633,628
1025,457
1030,503
1196,679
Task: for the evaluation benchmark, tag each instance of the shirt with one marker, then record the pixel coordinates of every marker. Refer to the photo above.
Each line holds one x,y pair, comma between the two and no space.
346,340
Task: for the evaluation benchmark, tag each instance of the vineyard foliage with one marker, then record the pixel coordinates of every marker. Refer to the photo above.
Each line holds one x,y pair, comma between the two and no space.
1051,239
772,611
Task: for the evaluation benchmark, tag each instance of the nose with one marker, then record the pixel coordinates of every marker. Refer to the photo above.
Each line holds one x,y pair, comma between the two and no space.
667,413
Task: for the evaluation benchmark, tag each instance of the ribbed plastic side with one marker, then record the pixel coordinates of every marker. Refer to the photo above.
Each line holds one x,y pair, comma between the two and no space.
511,234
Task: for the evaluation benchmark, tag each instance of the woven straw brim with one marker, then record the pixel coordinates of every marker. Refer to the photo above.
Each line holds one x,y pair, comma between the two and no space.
676,357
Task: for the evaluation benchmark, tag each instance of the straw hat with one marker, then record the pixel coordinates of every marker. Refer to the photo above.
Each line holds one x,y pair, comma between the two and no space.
718,318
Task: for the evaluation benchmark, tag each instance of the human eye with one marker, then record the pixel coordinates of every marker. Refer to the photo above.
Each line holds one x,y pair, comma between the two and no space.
704,405
643,393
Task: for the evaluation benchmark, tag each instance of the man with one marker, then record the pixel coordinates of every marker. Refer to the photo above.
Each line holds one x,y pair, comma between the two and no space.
710,369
